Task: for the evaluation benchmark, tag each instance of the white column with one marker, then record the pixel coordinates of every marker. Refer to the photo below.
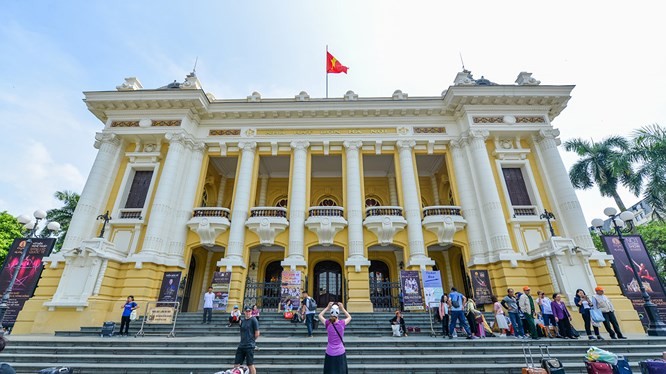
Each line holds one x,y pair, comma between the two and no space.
435,189
187,200
410,197
564,197
205,283
263,190
165,202
393,193
96,191
239,213
295,252
487,190
220,191
468,201
356,251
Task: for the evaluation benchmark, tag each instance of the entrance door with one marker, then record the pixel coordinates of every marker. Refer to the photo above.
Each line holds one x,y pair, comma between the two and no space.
185,307
328,283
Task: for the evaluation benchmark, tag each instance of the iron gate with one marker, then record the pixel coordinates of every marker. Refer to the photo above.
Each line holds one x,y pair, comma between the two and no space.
385,296
265,295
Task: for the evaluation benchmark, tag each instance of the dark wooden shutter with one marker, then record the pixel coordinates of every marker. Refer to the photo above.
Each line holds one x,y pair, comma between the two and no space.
515,184
139,190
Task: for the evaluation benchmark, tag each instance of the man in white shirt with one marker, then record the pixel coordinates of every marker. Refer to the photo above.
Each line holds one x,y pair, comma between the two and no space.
208,306
601,302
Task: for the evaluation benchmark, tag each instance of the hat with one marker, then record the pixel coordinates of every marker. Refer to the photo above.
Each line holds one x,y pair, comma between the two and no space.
248,309
599,288
235,306
526,288
335,311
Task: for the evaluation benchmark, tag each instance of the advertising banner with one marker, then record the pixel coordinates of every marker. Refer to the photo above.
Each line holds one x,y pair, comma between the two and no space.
646,272
160,315
432,288
410,286
221,284
30,269
291,287
483,293
169,289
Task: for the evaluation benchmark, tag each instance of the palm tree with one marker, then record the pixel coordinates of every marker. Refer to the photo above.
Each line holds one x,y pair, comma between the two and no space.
62,215
604,163
649,151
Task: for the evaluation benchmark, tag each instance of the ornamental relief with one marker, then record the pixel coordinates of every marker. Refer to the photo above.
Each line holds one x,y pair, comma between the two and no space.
510,120
224,132
167,123
125,124
430,130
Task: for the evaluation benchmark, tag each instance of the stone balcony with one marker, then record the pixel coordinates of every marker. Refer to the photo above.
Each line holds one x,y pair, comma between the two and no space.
525,211
385,222
326,222
267,223
209,223
444,221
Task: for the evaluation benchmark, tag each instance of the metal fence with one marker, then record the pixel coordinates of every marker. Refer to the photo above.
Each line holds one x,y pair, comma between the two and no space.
265,295
385,296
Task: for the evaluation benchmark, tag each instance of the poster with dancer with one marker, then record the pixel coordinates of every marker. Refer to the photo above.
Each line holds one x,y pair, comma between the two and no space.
646,273
169,289
221,284
483,293
29,271
432,288
410,286
291,287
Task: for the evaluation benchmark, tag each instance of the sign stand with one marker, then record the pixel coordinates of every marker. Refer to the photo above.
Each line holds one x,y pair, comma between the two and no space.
160,315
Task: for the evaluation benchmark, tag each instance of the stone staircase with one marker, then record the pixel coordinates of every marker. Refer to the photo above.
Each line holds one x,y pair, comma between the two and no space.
283,348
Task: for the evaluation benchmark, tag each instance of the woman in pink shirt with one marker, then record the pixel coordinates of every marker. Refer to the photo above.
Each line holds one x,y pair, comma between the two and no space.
335,361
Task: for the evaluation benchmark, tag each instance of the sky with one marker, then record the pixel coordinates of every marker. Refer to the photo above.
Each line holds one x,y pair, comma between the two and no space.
54,50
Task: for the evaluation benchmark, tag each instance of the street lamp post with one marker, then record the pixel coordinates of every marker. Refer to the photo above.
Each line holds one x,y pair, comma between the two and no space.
618,222
548,216
32,226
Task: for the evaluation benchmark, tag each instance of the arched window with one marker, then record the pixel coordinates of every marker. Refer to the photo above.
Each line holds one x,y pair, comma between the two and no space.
281,202
379,271
371,201
204,197
328,201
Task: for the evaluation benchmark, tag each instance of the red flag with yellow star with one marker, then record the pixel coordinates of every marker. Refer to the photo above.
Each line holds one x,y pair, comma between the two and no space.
333,65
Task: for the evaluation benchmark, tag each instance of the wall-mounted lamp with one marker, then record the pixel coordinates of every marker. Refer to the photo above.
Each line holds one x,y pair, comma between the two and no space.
401,265
253,266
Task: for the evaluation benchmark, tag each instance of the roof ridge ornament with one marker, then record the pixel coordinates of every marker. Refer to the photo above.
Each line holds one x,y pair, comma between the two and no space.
130,84
525,79
399,95
350,96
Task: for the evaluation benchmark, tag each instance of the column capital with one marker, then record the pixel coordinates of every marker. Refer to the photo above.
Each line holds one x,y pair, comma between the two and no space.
299,145
548,134
406,144
353,145
247,146
176,137
105,137
198,146
478,134
458,143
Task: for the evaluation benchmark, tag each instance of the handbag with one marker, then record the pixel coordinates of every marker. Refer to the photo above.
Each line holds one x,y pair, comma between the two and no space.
134,315
288,315
597,315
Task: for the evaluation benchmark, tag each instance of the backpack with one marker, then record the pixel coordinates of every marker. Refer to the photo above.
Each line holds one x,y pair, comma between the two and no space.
455,301
311,304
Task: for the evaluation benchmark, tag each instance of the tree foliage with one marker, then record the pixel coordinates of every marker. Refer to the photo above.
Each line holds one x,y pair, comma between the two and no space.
10,229
62,215
654,236
649,153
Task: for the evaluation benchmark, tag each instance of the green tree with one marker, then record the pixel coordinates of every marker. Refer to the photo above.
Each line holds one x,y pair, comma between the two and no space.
62,215
602,163
10,229
654,236
649,152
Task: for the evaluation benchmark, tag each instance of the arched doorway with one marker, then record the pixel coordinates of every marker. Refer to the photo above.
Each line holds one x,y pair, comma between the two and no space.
383,293
185,306
272,286
328,282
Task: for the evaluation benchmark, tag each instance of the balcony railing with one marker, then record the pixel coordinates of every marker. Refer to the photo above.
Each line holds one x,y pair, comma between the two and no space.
268,212
383,211
211,212
130,213
325,211
524,210
442,210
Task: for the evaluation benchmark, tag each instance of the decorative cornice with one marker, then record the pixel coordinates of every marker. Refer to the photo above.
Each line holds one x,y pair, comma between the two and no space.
430,130
167,123
530,119
101,138
224,132
488,119
478,134
125,124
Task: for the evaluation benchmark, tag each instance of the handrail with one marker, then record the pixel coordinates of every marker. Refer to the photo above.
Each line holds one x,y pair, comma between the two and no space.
524,210
268,211
211,212
383,211
442,210
130,213
325,211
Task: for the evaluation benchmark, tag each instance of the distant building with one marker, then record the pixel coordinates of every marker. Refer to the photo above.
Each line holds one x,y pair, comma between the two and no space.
642,215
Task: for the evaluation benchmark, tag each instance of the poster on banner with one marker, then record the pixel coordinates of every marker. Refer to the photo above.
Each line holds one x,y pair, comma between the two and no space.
291,287
432,288
483,293
410,286
29,271
221,284
169,288
646,272
160,315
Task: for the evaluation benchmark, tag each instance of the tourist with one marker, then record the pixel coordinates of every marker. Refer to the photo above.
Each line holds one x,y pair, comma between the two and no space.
562,317
584,307
5,368
444,314
500,319
234,316
249,332
511,304
456,305
471,313
255,312
208,306
308,308
335,360
127,308
526,303
399,320
601,302
547,314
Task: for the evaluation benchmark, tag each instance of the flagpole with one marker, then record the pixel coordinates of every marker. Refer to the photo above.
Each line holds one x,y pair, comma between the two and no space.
327,71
